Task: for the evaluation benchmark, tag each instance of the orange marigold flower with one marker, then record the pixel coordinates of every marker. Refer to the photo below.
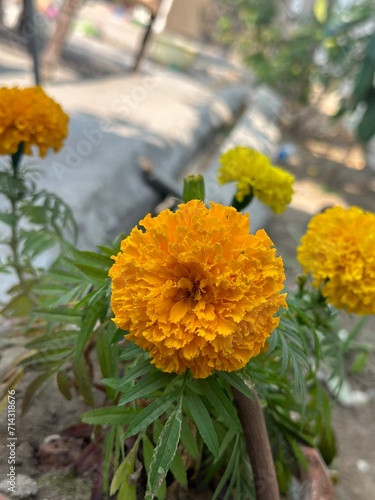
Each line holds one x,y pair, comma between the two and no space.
196,289
338,250
30,116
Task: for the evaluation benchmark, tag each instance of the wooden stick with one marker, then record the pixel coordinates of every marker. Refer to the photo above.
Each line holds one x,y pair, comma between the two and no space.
251,416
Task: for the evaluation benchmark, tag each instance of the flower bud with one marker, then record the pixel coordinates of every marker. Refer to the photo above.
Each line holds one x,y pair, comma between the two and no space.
193,188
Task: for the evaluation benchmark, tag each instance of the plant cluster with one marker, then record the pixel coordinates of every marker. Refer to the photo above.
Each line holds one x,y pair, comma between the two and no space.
164,332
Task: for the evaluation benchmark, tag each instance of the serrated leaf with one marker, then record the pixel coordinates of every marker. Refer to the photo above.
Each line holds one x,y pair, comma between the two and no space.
109,442
83,380
92,314
52,357
146,387
33,389
366,127
203,421
130,351
235,380
177,468
148,450
219,401
122,479
138,370
108,357
59,315
164,452
8,219
63,384
115,415
97,276
91,258
189,440
228,471
151,413
62,338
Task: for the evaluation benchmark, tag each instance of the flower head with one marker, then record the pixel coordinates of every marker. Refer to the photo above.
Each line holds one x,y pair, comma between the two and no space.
196,289
30,116
255,174
338,250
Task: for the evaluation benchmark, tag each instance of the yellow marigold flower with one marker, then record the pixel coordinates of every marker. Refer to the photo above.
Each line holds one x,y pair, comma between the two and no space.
338,250
197,290
255,174
30,116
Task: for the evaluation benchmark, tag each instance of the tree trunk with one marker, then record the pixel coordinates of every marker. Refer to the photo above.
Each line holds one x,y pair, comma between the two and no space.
55,46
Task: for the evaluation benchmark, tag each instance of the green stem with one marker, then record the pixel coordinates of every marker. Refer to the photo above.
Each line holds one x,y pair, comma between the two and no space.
15,196
16,158
355,331
239,205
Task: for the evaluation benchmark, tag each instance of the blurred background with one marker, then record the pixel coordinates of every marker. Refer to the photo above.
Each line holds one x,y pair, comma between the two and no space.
156,89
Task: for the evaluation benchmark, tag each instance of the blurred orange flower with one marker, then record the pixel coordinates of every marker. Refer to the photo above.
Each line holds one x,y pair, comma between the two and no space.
30,116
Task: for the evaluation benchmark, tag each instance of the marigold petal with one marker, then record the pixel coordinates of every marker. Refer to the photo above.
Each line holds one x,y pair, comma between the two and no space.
196,289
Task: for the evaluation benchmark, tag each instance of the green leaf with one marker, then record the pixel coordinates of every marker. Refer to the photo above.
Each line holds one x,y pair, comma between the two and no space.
164,452
33,389
63,384
8,219
203,421
146,387
359,362
97,276
228,471
228,440
189,440
59,339
148,450
107,355
122,480
235,380
151,412
115,415
47,357
130,351
59,315
177,468
83,380
93,313
37,242
109,442
364,80
138,370
219,401
94,259
366,127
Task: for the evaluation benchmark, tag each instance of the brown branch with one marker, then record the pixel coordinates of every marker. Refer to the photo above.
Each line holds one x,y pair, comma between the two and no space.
258,446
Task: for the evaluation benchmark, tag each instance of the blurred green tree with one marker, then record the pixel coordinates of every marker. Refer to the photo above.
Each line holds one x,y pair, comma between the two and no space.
291,45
